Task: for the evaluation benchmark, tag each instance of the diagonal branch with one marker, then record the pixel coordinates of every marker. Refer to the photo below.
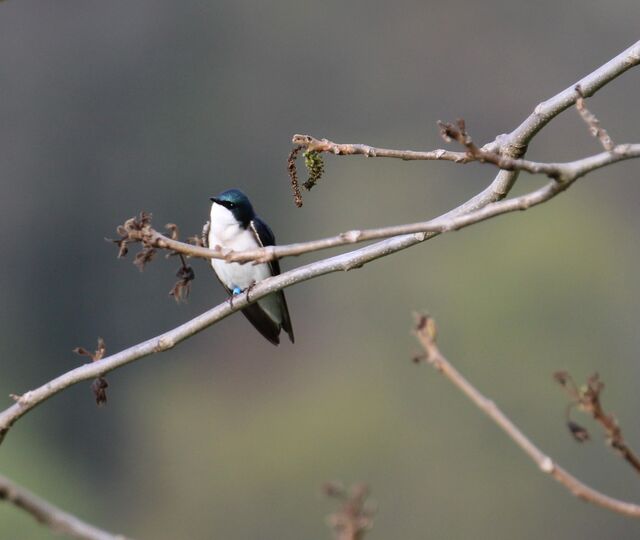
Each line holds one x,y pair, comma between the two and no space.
44,512
426,334
345,262
547,110
513,144
484,204
565,173
593,123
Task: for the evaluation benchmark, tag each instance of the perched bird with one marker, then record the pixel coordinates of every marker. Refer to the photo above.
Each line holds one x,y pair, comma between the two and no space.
234,225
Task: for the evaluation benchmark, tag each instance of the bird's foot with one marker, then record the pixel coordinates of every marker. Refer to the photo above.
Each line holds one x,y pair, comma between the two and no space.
249,288
236,291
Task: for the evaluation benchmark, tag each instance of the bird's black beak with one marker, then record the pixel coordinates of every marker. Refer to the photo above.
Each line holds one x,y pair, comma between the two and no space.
213,199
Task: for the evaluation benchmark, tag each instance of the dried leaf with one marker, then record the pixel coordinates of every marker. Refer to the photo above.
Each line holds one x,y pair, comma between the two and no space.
579,433
334,489
173,230
83,352
99,387
143,257
562,377
182,288
195,240
101,350
354,516
98,354
594,384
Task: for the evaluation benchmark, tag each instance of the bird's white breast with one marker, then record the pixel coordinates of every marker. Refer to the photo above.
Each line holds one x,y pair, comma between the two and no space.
225,232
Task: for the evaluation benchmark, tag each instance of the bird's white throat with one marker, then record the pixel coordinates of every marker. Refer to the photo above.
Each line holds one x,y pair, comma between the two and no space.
224,228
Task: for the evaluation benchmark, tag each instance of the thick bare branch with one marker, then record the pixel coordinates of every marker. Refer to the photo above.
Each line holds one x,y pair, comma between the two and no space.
426,334
513,144
547,110
482,206
347,261
44,512
163,342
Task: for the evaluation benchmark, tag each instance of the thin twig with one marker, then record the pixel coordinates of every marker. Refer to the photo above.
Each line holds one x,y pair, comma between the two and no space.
426,334
355,515
312,144
587,399
513,144
566,172
44,512
592,121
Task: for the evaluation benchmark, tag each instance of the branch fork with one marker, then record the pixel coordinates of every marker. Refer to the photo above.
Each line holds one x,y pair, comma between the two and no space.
490,202
425,331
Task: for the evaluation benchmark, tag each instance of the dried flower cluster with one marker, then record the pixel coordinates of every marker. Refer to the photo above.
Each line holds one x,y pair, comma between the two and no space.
99,385
587,399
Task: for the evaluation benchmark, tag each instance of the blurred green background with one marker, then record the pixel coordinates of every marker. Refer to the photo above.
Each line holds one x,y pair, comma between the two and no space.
109,108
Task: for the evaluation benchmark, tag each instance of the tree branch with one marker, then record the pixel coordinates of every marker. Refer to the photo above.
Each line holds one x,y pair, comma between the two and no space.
587,399
355,516
312,144
44,512
565,173
513,144
482,206
426,333
589,85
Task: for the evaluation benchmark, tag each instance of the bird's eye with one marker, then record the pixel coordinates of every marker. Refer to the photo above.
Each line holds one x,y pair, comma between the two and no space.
231,205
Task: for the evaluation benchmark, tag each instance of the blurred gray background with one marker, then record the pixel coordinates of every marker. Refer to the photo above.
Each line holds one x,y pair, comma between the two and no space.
109,108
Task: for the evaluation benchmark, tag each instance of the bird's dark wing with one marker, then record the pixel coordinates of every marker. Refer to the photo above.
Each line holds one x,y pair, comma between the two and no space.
264,236
261,321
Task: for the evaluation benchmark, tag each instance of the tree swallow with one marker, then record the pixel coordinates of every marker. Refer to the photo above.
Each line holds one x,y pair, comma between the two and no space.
234,225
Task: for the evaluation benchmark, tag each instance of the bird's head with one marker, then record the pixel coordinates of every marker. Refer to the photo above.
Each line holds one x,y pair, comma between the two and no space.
235,202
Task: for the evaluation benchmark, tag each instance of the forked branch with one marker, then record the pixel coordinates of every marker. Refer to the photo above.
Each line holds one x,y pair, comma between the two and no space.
426,333
484,205
488,203
563,175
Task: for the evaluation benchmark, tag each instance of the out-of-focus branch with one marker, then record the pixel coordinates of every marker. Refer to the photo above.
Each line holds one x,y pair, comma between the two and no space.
355,516
44,512
426,333
587,399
